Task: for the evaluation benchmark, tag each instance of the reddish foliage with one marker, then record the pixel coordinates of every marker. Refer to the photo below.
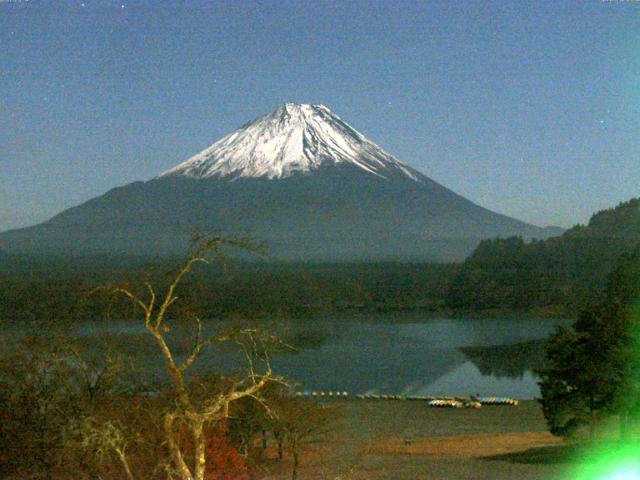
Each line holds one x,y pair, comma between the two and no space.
223,460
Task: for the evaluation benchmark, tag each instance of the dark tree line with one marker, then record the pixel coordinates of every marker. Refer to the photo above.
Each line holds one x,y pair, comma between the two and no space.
593,368
36,289
553,276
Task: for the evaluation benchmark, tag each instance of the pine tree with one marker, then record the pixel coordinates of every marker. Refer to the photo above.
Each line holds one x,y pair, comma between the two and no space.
593,370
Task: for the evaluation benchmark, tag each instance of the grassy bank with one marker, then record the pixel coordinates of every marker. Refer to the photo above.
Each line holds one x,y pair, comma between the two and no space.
408,440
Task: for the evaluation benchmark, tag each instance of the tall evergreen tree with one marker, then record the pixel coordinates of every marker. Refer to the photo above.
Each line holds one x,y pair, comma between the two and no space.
593,367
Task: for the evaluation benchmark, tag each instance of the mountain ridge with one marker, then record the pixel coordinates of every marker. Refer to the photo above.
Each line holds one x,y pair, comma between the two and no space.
334,196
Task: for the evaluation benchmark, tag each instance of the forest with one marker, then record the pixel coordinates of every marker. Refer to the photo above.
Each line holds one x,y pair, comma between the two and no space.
553,277
540,278
37,288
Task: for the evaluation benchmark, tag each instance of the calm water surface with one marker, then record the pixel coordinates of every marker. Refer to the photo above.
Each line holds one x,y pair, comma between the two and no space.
399,354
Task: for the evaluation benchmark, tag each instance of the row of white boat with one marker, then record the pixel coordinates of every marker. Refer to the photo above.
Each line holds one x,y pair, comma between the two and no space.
443,402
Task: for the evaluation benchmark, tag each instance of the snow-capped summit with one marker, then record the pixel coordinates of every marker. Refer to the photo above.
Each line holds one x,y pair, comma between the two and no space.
292,138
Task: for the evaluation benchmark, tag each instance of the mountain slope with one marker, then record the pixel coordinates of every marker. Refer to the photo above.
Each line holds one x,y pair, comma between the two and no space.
300,179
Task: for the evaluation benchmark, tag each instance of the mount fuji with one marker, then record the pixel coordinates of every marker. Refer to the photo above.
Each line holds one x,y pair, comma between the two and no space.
292,139
299,178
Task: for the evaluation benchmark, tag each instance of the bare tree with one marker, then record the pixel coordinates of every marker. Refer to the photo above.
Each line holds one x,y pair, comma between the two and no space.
46,383
298,421
105,440
191,412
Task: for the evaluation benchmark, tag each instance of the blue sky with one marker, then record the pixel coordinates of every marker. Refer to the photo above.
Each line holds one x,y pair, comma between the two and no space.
529,108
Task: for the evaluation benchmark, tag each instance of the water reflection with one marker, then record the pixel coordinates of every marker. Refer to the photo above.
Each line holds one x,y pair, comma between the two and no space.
507,361
440,357
389,353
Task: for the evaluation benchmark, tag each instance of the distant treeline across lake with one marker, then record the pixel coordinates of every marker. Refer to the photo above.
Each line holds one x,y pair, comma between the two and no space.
38,288
546,278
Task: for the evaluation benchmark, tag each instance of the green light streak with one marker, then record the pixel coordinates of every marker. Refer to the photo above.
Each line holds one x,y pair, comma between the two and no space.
618,459
609,461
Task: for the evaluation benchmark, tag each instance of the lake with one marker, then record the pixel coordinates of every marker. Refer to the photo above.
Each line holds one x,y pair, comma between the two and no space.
395,353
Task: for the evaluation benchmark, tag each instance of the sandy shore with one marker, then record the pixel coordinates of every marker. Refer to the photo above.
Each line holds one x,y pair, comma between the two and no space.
408,440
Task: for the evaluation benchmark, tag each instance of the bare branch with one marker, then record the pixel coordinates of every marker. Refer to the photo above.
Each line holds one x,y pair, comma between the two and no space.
152,296
169,297
189,410
197,347
134,298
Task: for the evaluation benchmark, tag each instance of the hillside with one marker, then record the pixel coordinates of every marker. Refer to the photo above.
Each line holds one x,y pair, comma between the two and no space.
546,276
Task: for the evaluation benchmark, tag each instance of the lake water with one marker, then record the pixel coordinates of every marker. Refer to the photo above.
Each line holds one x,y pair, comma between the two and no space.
400,354
433,357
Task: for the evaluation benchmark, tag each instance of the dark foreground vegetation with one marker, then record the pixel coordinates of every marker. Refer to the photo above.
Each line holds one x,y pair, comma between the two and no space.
67,411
